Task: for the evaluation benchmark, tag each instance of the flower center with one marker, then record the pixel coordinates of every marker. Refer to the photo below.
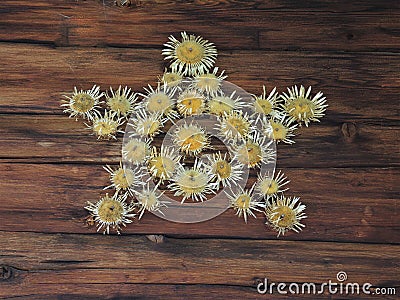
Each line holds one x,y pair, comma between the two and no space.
191,105
243,201
123,178
110,210
238,125
223,169
250,154
220,105
120,104
190,52
105,127
263,106
269,186
301,106
82,102
136,150
284,217
163,166
193,182
279,131
159,102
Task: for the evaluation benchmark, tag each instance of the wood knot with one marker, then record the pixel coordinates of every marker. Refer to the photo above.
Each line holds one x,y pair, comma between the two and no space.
6,272
349,130
158,239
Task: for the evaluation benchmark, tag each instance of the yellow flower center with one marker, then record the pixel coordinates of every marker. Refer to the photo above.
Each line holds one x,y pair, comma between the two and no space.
159,103
220,105
136,150
104,128
172,79
263,106
279,131
194,142
82,102
285,217
123,178
191,106
190,52
163,166
269,186
110,210
238,125
301,108
193,182
223,169
149,126
207,82
243,201
119,104
250,154
148,200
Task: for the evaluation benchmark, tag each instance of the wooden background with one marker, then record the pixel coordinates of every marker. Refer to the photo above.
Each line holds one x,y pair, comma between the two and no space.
345,169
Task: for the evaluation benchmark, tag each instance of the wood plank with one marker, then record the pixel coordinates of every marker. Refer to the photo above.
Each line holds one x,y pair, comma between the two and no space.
39,260
43,138
325,26
357,86
357,205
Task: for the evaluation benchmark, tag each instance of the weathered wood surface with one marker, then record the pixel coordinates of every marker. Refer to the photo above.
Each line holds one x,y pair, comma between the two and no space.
346,169
33,259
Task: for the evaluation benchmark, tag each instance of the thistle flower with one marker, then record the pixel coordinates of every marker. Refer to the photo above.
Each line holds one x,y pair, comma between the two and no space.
147,124
106,127
244,203
190,102
254,151
221,104
234,125
149,200
284,214
224,171
160,101
193,183
163,164
280,129
269,186
191,55
123,178
301,108
209,83
265,106
136,151
172,78
111,212
121,101
83,103
191,138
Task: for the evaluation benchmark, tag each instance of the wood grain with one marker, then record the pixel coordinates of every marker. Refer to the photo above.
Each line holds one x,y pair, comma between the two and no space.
342,204
247,25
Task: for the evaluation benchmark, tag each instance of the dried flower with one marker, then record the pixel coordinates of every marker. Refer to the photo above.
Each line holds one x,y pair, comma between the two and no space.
191,55
124,178
149,199
163,164
269,186
121,101
111,212
193,183
301,108
224,171
280,129
106,126
146,124
160,101
265,106
209,83
254,151
190,102
234,125
285,214
136,151
172,78
191,138
83,103
244,203
221,104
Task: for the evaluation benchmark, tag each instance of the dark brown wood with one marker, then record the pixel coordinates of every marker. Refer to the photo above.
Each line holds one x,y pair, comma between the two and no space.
346,169
34,259
342,204
244,24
